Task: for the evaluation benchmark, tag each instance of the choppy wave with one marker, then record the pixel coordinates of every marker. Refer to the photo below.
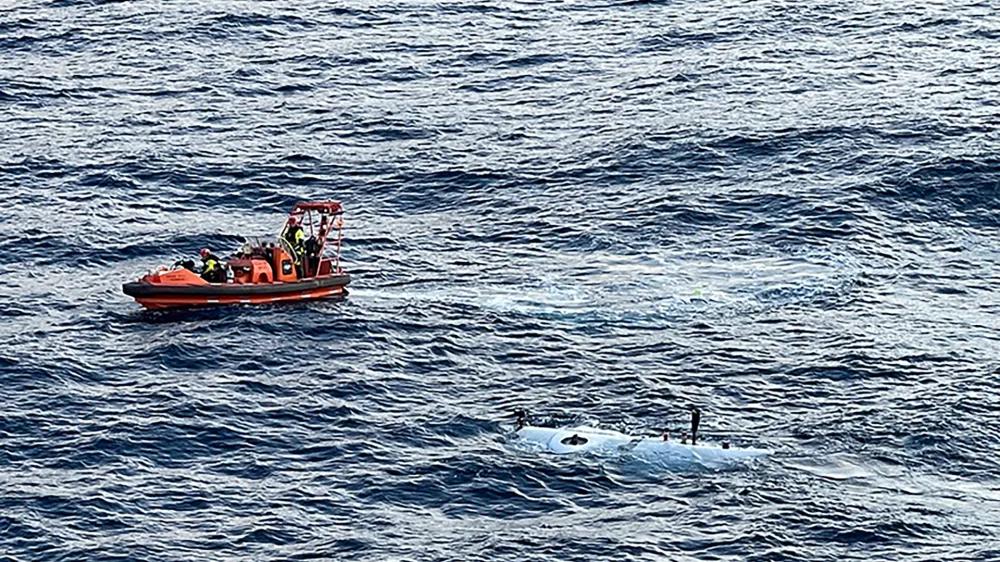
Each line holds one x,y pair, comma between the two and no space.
783,214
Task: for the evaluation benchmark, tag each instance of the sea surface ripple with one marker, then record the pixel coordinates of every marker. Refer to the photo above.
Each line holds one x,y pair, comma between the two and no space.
606,212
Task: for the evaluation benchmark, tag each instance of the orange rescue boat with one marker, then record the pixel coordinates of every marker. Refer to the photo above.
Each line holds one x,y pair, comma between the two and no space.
260,272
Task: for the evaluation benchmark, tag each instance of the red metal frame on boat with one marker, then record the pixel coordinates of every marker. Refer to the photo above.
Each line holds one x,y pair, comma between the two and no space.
330,215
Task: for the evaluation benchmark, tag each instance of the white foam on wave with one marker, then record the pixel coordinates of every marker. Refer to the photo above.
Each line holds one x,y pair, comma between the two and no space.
627,290
834,467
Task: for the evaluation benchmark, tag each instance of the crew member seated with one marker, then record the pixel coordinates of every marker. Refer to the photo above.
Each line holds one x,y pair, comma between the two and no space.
211,270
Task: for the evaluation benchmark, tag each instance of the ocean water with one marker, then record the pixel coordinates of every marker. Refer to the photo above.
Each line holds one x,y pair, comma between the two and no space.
783,213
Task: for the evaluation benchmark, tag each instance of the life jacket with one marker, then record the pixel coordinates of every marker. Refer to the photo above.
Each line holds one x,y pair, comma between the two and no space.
296,237
211,270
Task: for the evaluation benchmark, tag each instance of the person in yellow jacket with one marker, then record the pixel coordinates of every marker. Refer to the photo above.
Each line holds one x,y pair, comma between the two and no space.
295,237
211,270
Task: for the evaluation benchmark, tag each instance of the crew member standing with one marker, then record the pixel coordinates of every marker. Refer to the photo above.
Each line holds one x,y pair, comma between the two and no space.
296,239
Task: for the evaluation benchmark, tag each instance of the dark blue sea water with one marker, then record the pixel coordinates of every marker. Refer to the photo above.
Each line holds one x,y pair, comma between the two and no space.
784,213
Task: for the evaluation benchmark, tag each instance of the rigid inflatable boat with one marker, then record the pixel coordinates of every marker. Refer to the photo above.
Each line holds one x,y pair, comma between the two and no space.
260,272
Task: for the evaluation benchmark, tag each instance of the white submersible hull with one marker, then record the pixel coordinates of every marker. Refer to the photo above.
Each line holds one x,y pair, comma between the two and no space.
586,439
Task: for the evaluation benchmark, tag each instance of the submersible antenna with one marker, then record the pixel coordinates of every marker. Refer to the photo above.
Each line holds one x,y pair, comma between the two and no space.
695,420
